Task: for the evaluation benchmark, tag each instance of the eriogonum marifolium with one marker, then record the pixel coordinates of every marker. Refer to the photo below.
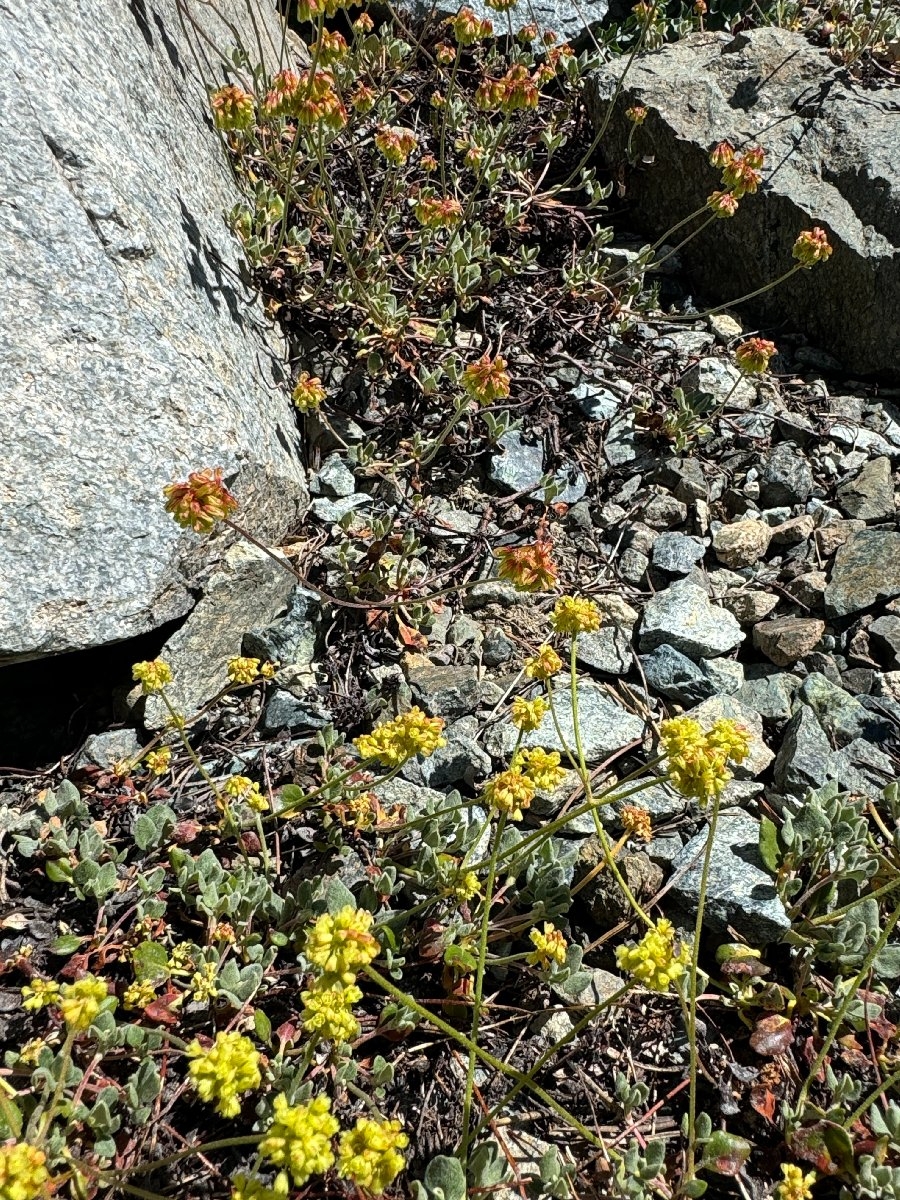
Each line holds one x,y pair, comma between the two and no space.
369,1154
574,614
395,742
23,1172
327,1011
224,1071
698,762
299,1138
81,1003
656,961
340,945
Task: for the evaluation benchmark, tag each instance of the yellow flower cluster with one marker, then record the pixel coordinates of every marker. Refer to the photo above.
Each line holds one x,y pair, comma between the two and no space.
369,1154
544,664
540,766
299,1138
222,1072
549,947
752,356
152,676
465,886
698,761
248,670
397,741
239,787
395,144
203,985
327,1012
509,792
23,1172
308,392
80,1003
39,993
573,614
340,945
435,213
245,1187
812,247
138,995
655,961
795,1185
158,761
468,28
528,714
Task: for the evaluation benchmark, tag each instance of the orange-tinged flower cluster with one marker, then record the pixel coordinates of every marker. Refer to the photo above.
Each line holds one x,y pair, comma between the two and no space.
363,98
723,204
329,48
812,247
468,28
752,356
310,99
363,24
501,5
23,1172
445,54
514,91
637,114
530,568
435,213
636,820
311,10
721,155
200,502
742,174
308,392
395,144
282,94
232,108
487,379
544,664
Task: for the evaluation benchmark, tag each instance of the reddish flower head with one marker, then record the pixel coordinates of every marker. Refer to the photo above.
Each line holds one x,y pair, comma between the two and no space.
753,355
812,247
528,568
200,502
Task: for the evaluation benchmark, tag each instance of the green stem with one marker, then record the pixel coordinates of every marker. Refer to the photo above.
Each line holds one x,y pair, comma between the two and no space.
495,1063
479,984
711,312
692,995
883,1087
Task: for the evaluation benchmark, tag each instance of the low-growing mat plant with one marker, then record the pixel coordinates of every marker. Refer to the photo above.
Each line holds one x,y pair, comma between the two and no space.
230,1008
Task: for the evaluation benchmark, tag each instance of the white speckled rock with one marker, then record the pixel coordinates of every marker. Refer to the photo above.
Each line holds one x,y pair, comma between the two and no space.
130,353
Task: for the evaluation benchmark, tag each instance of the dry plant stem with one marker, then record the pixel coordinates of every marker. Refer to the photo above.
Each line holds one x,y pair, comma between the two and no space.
838,1018
692,993
496,1063
477,999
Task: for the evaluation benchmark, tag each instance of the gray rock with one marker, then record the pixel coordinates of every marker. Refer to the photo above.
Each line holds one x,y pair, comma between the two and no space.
719,378
829,162
664,851
675,676
730,708
599,403
749,606
572,483
785,476
609,650
570,20
464,632
786,640
683,616
740,892
291,640
662,511
519,465
106,749
866,569
602,892
332,511
131,353
549,804
725,674
742,543
840,714
496,648
770,695
677,553
490,591
870,496
802,759
462,760
661,801
633,565
284,710
444,691
335,476
885,633
249,590
605,727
